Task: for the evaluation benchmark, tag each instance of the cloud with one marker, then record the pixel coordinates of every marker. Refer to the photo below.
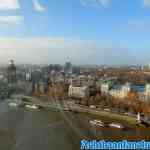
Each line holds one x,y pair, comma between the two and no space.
46,50
9,4
11,19
37,6
104,3
146,3
56,50
135,26
95,3
114,55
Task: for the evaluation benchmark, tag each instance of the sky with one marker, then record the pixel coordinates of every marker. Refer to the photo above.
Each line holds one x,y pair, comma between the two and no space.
102,32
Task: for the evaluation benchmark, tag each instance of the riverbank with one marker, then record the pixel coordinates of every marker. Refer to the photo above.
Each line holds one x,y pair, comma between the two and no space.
67,106
98,113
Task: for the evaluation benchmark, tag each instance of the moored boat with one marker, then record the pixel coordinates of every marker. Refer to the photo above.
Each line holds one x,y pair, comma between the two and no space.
97,123
116,125
32,106
15,103
12,104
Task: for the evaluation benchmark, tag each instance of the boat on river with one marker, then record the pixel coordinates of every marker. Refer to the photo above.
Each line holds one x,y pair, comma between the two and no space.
116,125
15,103
32,106
97,123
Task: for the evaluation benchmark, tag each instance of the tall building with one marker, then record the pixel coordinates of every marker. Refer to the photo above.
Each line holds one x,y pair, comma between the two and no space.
11,72
68,67
36,77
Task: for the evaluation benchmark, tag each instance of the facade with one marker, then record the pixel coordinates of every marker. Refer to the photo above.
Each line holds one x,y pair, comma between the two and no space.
118,91
28,76
78,92
121,91
146,94
36,76
147,90
105,87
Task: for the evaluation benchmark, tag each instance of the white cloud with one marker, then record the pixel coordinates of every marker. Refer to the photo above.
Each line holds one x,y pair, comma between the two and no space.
11,19
56,50
9,4
102,3
46,50
147,3
37,6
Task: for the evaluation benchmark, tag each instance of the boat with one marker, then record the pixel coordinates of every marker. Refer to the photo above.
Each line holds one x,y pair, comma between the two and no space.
32,106
116,125
97,123
13,104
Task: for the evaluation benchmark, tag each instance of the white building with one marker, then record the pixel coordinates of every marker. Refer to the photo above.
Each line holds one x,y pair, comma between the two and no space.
28,76
121,92
105,87
116,91
147,89
146,94
78,92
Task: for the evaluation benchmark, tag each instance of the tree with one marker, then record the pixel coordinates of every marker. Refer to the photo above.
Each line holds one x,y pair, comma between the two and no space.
132,98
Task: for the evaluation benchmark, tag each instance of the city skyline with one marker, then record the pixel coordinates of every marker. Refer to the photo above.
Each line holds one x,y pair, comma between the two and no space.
87,31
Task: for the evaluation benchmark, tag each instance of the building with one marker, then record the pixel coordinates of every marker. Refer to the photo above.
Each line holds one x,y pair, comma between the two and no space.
147,89
36,77
146,94
117,91
120,91
78,92
11,72
28,76
68,67
105,87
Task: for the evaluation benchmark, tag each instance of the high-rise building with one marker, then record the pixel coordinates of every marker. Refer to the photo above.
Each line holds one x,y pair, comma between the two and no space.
11,72
68,67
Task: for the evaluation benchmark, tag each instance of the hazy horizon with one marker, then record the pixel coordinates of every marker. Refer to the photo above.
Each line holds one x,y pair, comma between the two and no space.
97,32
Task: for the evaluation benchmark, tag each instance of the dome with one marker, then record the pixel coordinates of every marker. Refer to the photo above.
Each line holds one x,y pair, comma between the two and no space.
11,66
11,62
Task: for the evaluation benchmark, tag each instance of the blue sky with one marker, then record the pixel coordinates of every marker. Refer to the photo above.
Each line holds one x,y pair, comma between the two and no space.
103,31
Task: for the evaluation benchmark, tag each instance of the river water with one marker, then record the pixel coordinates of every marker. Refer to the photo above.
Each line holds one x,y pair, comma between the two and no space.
23,129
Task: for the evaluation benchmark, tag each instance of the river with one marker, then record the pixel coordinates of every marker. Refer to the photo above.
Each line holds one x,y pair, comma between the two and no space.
24,129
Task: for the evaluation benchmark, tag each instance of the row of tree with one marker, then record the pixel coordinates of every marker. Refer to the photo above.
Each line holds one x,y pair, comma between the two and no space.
126,75
130,104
